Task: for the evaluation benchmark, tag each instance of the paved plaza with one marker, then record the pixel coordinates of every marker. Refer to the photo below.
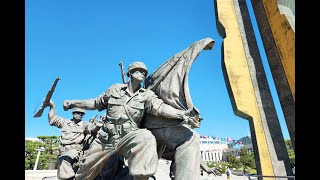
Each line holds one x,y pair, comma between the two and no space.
163,173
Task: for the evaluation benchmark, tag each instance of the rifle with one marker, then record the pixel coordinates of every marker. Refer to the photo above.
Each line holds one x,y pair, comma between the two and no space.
122,73
47,99
92,119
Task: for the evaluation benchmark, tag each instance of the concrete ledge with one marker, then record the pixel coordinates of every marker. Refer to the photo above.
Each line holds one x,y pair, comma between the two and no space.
40,174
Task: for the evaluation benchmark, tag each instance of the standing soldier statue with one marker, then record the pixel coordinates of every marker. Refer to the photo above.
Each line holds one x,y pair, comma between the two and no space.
73,132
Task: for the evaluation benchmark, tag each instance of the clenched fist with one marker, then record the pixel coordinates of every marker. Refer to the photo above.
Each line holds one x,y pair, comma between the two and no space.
67,104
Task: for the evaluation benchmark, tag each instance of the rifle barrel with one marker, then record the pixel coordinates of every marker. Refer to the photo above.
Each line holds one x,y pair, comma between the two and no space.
122,72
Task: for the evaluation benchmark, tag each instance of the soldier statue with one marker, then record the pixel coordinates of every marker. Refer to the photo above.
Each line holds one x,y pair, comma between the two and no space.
73,132
125,106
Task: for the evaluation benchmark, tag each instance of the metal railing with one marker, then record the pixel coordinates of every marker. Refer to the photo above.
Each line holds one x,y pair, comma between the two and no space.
255,176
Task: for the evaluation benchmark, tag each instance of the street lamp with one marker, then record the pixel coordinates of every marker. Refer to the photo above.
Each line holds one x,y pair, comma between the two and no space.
38,155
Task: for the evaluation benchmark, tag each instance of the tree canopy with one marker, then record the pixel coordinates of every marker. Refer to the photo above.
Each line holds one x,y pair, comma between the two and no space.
47,158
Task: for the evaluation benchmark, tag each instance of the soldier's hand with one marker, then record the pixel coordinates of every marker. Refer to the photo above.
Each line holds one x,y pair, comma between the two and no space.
101,121
187,114
51,104
194,122
67,104
188,120
191,117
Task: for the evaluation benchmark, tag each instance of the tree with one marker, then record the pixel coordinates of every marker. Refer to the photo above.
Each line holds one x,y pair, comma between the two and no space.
31,153
50,153
52,143
288,144
246,158
290,150
232,160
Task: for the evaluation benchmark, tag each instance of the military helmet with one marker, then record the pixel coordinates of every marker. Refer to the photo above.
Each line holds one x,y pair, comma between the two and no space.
137,65
76,109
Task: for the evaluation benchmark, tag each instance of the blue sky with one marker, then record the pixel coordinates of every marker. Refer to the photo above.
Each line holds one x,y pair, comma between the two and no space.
82,42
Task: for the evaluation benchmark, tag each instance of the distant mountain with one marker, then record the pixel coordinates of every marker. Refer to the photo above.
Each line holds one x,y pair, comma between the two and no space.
246,140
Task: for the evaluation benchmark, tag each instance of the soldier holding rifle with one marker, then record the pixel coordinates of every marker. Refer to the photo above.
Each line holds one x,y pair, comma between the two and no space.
73,132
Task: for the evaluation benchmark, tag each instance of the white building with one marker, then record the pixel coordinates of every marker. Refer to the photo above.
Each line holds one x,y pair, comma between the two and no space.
32,139
212,149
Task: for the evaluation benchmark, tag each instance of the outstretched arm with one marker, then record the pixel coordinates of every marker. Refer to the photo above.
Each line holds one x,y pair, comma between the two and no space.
99,103
54,120
168,111
52,111
157,107
88,104
190,117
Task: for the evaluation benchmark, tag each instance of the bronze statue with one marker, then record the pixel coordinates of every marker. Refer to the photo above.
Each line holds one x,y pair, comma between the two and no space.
163,106
122,135
73,132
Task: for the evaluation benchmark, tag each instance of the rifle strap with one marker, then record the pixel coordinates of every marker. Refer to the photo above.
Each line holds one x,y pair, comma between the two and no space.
130,117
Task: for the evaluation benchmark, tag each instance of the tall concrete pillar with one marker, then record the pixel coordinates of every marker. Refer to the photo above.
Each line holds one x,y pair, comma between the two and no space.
210,156
276,22
207,156
203,156
213,155
248,87
220,156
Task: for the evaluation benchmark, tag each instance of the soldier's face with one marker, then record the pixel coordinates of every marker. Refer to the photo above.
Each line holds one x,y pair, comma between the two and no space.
78,115
138,75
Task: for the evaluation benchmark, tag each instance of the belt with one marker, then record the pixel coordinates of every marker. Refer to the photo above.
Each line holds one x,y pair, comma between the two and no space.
71,146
